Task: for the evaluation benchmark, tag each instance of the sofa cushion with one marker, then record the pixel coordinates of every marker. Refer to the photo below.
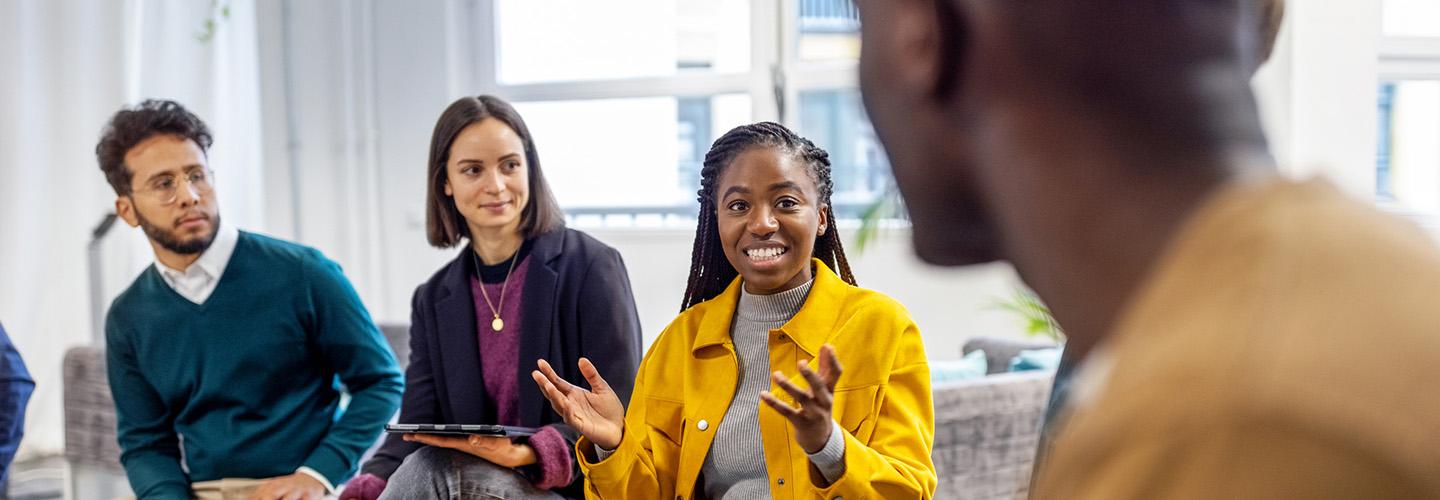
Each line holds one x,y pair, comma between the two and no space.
973,365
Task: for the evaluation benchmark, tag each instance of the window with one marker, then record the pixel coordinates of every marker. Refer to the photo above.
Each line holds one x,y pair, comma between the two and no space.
537,41
829,30
1407,169
624,116
1411,18
836,120
588,148
1409,159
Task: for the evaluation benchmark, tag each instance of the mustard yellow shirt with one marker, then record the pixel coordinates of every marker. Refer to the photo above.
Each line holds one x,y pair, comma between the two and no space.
1287,345
882,401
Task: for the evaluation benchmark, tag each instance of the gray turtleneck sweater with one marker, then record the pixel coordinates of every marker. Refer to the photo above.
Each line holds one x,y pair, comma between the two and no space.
735,466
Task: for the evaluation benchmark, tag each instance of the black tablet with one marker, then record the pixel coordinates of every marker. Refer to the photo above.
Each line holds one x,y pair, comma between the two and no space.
461,429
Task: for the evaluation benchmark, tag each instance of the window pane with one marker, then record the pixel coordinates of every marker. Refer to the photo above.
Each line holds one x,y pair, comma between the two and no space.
1411,18
829,30
568,40
627,156
835,120
1408,169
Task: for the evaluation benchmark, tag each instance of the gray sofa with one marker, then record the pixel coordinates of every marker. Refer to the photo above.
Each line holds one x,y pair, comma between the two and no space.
986,429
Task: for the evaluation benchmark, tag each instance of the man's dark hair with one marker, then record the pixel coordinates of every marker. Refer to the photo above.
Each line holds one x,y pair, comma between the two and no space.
130,126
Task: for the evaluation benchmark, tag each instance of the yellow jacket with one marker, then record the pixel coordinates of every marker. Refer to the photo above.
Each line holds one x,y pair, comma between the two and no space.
882,400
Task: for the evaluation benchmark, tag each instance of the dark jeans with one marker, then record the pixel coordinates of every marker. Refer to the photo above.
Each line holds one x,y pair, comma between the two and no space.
440,473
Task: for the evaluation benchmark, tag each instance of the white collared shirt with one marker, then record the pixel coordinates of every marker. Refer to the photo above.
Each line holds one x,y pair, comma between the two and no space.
198,281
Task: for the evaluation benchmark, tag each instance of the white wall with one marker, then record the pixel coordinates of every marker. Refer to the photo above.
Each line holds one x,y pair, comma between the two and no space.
51,192
68,65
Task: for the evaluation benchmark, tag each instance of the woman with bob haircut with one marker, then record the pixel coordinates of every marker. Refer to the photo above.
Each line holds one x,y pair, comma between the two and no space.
524,287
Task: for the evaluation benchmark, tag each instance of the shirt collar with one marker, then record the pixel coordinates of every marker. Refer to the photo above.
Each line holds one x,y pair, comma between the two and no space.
213,260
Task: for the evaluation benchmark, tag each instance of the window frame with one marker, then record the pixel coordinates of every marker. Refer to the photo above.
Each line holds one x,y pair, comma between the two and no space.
1405,58
776,78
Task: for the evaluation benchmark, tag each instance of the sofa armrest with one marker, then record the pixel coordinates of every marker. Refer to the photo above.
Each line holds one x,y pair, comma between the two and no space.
89,411
987,431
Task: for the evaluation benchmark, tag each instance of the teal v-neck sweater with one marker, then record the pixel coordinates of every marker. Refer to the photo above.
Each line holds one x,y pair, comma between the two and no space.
247,385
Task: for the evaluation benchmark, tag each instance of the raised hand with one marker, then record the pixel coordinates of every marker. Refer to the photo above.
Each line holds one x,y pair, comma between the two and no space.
597,413
812,420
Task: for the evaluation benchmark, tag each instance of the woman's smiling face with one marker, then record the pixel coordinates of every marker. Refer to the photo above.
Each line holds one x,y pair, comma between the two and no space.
488,177
768,212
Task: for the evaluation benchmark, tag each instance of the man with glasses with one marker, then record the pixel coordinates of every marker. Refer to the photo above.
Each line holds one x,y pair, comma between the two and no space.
223,356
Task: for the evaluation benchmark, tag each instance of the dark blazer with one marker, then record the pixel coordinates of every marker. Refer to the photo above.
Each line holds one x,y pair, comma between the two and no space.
577,302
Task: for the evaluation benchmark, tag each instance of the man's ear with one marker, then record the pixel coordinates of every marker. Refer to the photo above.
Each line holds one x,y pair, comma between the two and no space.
951,33
929,43
125,208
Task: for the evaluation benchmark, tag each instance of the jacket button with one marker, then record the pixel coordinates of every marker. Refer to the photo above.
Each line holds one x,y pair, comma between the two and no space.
780,482
702,424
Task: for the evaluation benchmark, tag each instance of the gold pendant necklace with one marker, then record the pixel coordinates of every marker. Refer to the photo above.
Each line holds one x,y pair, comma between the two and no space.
496,324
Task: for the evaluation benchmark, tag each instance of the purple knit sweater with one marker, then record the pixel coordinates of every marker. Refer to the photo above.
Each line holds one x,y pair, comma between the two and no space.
500,364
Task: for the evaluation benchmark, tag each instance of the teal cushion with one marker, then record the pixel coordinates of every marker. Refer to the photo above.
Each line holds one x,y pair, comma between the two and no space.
1036,359
973,365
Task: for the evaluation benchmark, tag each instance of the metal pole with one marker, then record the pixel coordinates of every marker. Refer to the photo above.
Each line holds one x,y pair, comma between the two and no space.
97,279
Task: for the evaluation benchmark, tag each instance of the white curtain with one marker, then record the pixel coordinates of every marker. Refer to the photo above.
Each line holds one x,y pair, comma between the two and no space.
67,66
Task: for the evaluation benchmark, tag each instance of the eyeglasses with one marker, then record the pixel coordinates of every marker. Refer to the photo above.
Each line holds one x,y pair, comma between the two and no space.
166,189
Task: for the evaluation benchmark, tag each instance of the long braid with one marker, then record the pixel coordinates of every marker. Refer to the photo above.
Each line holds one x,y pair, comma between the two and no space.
696,254
710,272
828,247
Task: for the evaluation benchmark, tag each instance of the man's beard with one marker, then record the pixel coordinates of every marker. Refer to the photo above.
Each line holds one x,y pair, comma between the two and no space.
173,243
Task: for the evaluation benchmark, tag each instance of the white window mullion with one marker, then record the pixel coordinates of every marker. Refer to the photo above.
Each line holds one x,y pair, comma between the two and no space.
766,38
1409,58
486,43
660,86
470,53
789,70
825,75
1397,70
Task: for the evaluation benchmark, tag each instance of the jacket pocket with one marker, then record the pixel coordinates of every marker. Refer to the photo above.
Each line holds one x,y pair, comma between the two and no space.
665,419
855,409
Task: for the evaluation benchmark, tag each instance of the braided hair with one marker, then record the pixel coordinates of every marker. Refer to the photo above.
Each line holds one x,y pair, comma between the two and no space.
710,272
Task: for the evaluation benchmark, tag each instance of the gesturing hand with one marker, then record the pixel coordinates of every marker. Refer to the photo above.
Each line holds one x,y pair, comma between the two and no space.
812,419
598,413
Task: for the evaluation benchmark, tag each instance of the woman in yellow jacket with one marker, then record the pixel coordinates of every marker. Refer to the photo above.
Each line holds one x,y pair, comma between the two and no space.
764,319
